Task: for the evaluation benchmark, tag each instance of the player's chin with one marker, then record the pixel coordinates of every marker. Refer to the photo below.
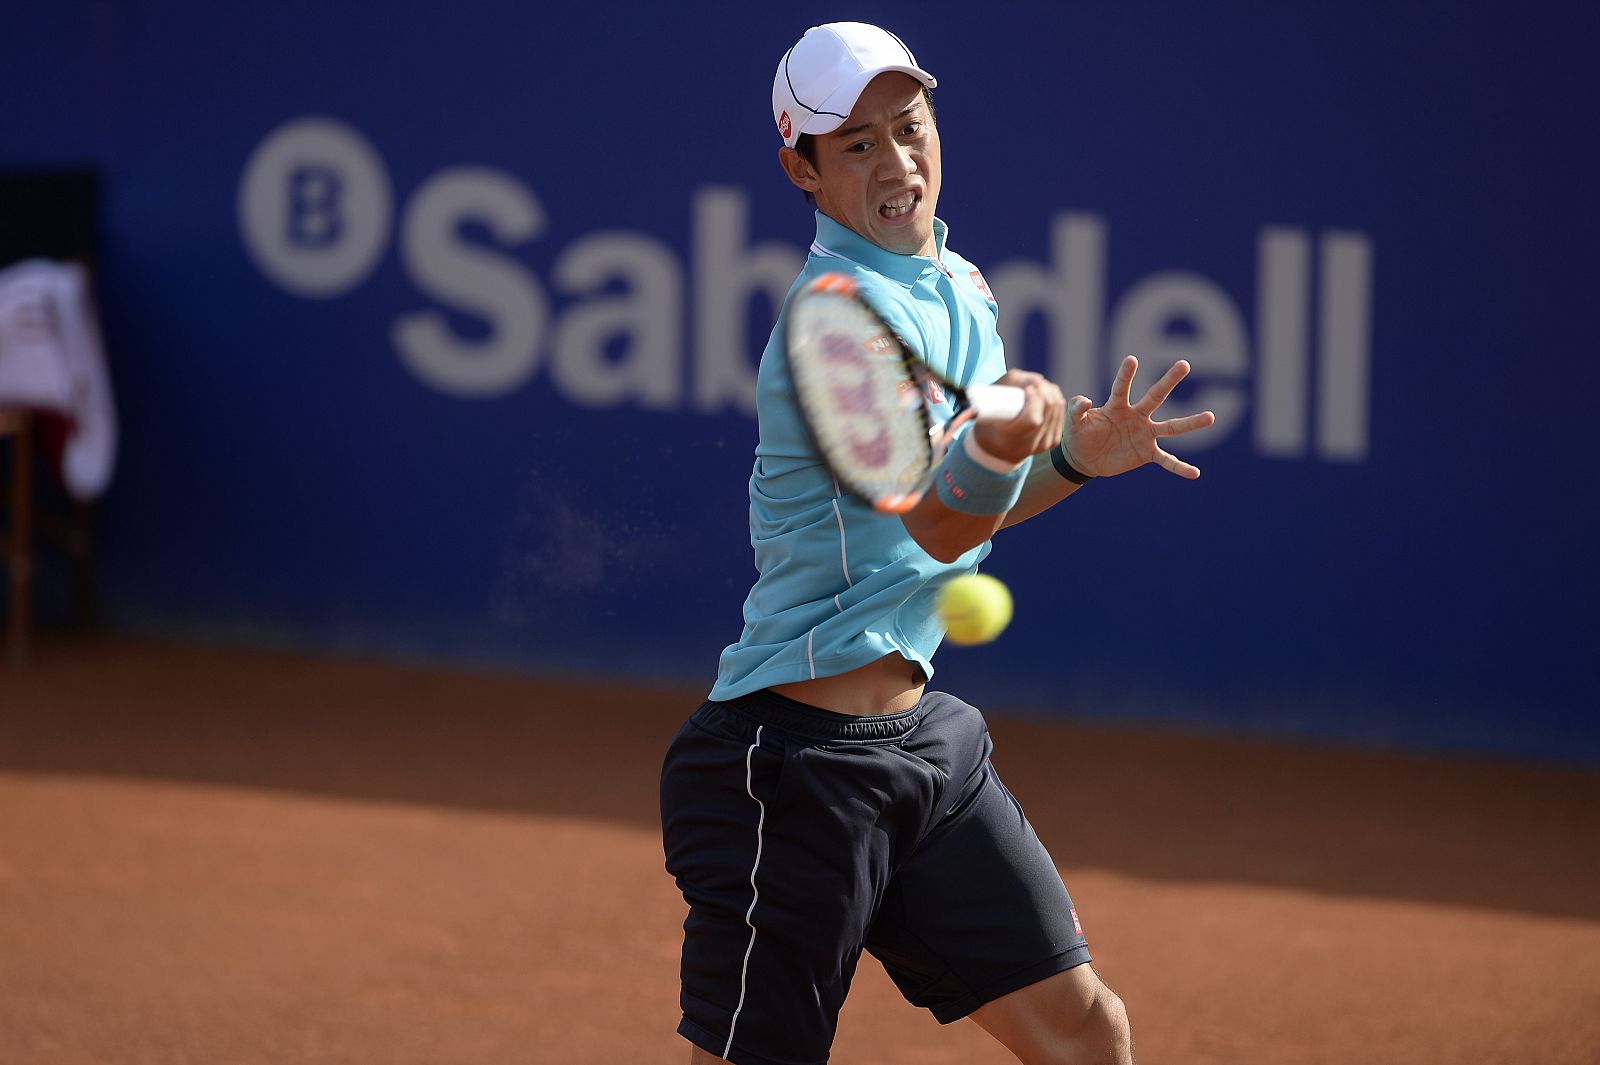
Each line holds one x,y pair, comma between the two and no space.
903,240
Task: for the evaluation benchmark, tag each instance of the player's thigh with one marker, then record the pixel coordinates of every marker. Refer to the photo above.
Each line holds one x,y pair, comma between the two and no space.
1072,1016
979,909
780,846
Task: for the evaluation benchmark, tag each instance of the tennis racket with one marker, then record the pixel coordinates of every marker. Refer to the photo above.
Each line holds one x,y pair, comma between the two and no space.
868,400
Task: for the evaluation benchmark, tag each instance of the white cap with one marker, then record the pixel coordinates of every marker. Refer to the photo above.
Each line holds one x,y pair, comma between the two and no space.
821,77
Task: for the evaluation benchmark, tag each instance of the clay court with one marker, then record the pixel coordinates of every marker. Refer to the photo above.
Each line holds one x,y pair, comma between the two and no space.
242,858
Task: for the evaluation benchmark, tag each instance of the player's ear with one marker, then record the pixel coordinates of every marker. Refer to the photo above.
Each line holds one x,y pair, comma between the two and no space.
799,169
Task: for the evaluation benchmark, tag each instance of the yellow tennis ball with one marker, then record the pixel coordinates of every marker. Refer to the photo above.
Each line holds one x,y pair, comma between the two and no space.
975,608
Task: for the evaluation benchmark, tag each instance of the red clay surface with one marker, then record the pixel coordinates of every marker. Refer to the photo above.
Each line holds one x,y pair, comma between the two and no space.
231,858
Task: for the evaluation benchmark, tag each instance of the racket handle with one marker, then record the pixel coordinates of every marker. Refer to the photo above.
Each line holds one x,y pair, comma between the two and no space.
995,402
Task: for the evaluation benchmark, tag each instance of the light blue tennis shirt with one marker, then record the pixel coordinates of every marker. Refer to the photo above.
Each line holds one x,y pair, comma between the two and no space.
840,584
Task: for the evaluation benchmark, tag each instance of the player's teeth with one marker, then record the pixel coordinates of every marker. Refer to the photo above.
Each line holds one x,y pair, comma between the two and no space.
895,208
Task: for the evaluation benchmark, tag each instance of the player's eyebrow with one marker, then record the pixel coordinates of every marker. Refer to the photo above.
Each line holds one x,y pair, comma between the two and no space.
851,131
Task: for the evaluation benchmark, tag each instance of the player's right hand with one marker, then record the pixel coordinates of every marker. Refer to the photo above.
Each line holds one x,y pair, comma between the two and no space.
1038,427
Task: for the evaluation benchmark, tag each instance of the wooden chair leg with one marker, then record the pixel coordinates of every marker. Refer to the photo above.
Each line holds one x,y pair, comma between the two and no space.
20,562
81,549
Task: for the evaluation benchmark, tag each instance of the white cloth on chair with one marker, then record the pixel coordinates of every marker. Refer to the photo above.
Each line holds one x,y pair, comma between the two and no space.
51,358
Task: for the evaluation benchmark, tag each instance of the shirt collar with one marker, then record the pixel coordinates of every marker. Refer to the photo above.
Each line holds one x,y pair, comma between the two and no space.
845,243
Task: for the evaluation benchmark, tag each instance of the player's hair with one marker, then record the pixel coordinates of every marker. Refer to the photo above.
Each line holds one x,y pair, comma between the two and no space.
806,143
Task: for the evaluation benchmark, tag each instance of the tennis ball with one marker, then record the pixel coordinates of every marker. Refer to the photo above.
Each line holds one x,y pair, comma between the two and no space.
975,608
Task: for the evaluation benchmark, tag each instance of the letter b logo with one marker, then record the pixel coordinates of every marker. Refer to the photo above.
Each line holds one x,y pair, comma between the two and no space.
315,207
314,220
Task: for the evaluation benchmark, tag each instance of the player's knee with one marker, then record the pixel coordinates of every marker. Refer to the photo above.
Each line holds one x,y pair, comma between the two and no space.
1102,1035
1095,1032
1111,1025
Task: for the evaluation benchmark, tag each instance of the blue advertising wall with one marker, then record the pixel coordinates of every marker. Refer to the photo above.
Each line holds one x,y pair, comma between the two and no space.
433,330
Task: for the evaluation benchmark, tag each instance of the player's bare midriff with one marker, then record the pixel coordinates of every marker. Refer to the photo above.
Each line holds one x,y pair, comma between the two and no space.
887,686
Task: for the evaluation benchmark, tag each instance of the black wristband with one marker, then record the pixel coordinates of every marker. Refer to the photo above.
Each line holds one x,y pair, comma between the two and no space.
1058,458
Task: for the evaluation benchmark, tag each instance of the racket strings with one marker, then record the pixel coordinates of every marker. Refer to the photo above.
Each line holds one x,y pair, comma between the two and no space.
861,396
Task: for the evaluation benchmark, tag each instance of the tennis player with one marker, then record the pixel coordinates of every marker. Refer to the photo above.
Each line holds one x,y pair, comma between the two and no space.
823,801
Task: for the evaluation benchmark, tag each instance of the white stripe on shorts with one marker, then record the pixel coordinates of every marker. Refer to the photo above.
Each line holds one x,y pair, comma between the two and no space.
755,893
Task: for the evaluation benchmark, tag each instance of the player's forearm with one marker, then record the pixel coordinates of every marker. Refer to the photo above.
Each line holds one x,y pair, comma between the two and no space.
947,534
972,491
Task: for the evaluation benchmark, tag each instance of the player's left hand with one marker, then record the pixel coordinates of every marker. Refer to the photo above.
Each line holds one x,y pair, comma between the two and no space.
1122,435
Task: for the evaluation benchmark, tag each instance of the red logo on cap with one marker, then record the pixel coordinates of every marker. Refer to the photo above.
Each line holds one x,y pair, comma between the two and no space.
783,125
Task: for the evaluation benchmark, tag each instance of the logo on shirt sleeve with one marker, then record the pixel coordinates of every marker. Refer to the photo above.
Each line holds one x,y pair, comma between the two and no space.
982,286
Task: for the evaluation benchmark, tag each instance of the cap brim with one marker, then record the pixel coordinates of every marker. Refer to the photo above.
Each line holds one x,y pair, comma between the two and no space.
833,111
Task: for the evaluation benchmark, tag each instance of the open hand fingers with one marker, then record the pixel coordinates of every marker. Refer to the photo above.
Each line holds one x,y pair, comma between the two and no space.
1173,464
1159,391
1123,384
1179,426
1120,437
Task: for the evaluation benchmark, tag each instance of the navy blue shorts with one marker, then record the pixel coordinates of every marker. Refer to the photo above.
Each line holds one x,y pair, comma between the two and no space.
800,836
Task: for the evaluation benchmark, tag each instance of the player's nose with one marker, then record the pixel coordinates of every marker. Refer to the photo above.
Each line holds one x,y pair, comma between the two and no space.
898,161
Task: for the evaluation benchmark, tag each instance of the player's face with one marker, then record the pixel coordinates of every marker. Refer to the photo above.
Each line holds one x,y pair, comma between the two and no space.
878,173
